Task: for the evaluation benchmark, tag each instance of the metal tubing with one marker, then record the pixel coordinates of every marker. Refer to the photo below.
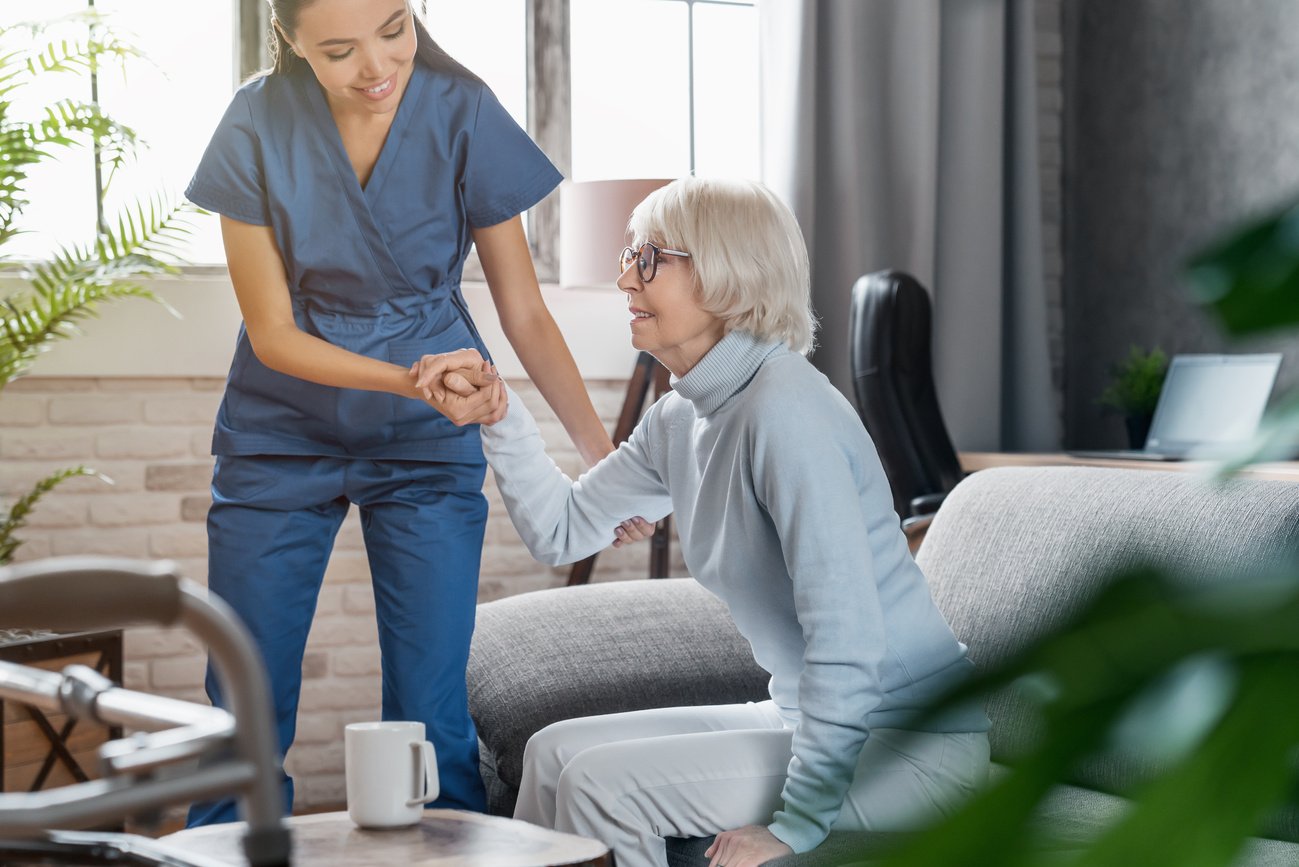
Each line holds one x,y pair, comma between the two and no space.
86,804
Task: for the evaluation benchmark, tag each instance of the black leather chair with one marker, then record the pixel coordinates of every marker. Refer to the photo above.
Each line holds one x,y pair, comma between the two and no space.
893,383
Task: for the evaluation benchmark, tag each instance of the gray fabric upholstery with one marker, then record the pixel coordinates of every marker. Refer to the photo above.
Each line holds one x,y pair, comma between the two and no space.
554,654
1010,553
1013,551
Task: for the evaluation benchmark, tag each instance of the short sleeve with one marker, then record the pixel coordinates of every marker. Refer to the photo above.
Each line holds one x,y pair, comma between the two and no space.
505,172
229,177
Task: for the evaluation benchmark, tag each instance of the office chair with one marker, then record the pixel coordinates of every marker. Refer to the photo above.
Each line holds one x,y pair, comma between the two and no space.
893,382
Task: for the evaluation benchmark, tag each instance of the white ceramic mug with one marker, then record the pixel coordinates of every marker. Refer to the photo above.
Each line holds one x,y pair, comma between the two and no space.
391,773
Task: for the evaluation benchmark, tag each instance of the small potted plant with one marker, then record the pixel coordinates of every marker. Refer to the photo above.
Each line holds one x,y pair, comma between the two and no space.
1134,390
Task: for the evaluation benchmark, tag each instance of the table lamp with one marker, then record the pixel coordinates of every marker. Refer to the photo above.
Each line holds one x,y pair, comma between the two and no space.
593,228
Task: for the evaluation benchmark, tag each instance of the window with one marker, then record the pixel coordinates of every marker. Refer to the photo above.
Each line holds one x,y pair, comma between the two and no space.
673,93
172,98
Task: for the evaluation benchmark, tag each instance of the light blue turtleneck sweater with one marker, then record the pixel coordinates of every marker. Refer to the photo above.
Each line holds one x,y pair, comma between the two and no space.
783,512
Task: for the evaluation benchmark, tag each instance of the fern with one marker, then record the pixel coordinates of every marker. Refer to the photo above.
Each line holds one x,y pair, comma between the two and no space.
19,511
67,289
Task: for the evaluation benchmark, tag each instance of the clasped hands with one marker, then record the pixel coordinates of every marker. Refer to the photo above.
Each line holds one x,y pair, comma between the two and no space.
461,385
466,388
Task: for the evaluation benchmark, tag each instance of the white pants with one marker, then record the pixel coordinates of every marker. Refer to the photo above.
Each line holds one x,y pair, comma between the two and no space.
631,779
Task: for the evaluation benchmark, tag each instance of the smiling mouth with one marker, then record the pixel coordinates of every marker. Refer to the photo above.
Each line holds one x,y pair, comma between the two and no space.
379,89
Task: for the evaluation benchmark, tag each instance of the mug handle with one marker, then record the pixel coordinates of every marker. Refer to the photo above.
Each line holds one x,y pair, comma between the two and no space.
429,785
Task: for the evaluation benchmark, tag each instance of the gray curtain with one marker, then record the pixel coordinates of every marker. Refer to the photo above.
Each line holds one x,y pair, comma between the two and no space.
904,135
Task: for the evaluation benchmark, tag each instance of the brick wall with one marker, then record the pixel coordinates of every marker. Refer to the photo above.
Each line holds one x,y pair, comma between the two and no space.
151,437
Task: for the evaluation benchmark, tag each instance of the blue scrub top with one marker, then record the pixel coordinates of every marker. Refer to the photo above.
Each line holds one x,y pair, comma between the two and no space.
374,270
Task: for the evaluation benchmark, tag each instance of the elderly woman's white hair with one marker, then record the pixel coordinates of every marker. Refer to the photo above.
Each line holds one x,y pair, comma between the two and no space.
749,258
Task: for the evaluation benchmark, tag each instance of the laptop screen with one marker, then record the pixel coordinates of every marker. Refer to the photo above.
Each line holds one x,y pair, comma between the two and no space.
1211,402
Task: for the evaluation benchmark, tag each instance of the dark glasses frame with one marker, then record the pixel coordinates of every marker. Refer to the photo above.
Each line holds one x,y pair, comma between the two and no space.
647,265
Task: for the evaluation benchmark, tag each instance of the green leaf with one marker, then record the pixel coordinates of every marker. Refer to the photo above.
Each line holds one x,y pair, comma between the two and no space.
1251,280
18,512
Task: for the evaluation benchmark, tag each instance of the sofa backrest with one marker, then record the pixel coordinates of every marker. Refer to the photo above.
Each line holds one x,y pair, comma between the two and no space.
1013,551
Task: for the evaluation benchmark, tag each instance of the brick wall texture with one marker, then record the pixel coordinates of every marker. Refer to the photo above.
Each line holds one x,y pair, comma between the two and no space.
151,437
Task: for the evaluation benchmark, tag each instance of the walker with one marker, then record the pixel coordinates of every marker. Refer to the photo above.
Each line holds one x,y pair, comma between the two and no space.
180,752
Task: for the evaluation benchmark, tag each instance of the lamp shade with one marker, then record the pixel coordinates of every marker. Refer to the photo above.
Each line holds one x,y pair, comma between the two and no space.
593,228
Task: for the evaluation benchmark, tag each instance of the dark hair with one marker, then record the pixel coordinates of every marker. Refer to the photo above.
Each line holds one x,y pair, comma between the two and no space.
285,12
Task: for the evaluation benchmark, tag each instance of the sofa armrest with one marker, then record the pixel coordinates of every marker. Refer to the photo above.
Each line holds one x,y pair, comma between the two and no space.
541,657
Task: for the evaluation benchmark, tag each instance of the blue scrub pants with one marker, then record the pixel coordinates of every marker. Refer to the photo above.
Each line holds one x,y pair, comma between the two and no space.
270,532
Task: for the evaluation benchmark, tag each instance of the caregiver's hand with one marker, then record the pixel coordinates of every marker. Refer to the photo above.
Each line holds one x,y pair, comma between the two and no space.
749,846
461,386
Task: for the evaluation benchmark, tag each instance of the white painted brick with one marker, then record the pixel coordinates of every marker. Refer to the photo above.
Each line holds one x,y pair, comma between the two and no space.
320,727
208,383
188,477
182,409
358,599
329,601
135,675
126,476
322,790
186,540
22,411
512,585
46,444
31,549
349,536
200,443
347,567
52,384
143,443
141,384
194,508
503,560
118,542
318,759
337,693
183,673
343,632
133,510
315,665
355,661
57,510
152,642
95,409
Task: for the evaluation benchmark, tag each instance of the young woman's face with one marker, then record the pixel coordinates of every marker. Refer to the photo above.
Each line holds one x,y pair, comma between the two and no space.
362,51
667,319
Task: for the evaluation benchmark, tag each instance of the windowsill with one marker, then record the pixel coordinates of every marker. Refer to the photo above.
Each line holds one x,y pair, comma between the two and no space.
134,338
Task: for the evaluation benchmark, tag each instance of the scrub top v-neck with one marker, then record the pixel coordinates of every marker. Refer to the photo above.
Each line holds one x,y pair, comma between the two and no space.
373,269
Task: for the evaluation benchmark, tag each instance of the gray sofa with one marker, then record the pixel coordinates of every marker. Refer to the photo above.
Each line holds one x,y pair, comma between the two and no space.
1010,552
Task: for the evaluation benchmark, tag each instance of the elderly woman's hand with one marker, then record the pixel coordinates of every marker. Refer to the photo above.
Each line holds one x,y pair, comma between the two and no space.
632,530
749,846
462,386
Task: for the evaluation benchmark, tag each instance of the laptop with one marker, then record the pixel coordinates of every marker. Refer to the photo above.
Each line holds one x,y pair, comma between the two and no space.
1209,405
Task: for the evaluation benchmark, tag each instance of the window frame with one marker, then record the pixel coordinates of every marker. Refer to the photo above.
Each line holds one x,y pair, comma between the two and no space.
549,100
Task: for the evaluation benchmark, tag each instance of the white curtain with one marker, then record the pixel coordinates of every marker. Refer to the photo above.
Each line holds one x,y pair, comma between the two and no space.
903,134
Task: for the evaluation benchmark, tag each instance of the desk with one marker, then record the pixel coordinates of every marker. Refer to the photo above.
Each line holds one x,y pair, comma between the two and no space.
446,838
1285,471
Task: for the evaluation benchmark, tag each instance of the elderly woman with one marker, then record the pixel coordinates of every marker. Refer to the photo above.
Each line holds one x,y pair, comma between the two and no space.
784,513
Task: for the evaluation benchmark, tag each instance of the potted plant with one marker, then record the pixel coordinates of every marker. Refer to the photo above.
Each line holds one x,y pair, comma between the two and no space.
1134,390
41,302
52,297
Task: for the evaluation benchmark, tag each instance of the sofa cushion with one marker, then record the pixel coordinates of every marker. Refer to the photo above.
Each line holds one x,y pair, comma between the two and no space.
1014,551
541,657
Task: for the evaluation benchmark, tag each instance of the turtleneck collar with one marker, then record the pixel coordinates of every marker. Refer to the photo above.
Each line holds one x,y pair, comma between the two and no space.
725,370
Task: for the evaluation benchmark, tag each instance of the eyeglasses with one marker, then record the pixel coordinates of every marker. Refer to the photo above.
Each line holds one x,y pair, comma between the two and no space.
646,259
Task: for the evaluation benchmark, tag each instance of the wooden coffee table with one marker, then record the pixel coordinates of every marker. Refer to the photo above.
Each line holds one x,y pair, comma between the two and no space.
445,838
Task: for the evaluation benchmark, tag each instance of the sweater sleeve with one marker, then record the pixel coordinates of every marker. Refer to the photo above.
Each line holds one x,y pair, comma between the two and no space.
811,489
561,520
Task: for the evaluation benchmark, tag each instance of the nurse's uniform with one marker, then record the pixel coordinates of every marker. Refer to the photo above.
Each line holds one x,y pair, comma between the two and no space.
375,270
